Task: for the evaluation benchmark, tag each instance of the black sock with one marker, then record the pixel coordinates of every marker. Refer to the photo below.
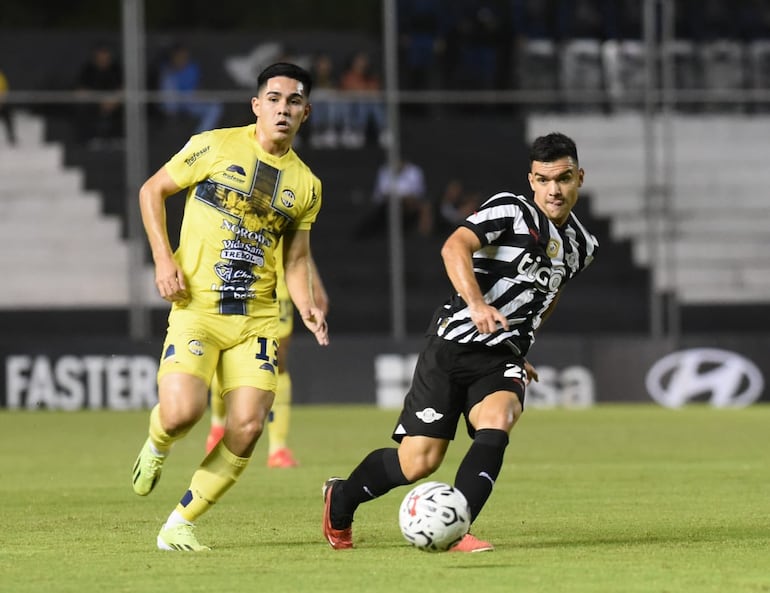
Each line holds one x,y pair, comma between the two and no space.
376,475
480,467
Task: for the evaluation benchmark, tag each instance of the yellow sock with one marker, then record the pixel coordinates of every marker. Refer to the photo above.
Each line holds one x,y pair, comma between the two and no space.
161,440
211,480
280,415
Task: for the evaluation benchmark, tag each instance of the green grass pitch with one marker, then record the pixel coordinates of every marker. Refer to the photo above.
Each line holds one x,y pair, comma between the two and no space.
617,498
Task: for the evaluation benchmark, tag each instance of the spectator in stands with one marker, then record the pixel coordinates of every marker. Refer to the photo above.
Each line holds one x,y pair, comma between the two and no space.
365,115
5,110
479,44
423,25
101,122
408,183
456,204
326,118
180,79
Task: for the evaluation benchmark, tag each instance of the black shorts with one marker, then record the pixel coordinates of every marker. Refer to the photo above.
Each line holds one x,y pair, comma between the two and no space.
449,380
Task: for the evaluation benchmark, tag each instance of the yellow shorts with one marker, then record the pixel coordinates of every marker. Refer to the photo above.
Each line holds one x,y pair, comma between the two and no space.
229,346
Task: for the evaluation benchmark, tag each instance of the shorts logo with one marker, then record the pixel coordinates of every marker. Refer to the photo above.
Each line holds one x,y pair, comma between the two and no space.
195,347
429,415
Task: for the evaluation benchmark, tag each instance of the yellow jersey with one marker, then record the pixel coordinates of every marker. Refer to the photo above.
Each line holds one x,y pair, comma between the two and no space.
240,202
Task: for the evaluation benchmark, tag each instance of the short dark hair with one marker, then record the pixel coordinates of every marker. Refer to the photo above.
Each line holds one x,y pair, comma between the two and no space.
290,71
552,147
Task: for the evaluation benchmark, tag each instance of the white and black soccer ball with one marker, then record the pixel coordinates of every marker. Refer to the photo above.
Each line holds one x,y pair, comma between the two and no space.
434,516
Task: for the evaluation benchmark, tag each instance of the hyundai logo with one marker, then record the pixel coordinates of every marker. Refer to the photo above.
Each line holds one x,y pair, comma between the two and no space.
721,378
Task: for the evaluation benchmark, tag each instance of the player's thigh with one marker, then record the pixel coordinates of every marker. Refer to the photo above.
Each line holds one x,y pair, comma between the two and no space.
496,397
252,362
188,360
183,398
499,410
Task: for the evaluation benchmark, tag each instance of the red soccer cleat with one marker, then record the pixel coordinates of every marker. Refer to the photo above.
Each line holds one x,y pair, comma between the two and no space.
339,539
282,458
215,435
470,543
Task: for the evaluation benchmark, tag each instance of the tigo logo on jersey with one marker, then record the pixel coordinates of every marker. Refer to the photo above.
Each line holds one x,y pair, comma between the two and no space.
724,379
545,277
429,415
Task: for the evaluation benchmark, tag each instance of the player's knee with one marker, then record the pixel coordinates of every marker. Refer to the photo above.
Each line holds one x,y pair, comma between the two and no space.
249,430
179,422
416,467
497,411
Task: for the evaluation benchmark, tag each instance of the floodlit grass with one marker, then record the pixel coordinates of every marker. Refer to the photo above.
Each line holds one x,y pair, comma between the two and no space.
610,499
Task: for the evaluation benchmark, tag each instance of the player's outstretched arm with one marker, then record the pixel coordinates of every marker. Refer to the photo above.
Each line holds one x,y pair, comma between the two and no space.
457,254
297,264
169,278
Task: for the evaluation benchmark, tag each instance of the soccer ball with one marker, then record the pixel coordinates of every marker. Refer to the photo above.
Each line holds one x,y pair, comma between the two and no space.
434,516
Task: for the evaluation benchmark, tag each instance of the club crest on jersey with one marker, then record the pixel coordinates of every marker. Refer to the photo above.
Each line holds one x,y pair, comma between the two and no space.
288,198
552,249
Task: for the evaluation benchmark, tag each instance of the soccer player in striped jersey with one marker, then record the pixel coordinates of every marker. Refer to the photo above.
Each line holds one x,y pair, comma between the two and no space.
508,263
248,195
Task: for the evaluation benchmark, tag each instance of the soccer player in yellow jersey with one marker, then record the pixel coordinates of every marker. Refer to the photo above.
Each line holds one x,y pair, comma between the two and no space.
248,193
279,453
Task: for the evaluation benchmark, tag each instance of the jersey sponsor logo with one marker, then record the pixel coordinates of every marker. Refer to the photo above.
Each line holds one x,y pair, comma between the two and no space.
237,169
239,293
239,251
196,155
429,415
722,378
196,347
245,233
228,273
545,277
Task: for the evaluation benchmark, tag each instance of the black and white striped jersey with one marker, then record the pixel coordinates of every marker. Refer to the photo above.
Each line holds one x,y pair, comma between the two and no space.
523,262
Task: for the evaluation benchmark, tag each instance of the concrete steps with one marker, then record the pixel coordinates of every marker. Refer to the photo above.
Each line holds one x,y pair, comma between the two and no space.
57,248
